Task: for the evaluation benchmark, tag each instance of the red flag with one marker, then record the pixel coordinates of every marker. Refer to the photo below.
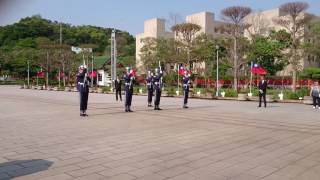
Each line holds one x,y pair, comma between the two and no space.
133,72
40,74
61,74
256,69
183,70
93,74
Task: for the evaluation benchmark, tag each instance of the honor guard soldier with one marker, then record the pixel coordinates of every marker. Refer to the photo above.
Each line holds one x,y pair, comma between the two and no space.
157,81
117,86
262,90
150,89
83,87
128,79
186,87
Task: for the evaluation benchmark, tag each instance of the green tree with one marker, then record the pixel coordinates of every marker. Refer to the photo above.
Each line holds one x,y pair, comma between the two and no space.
268,51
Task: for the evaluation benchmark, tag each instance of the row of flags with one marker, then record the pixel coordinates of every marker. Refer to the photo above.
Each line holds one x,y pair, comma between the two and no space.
255,69
41,74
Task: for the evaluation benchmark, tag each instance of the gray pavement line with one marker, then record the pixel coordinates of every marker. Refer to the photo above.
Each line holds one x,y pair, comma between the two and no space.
228,116
238,123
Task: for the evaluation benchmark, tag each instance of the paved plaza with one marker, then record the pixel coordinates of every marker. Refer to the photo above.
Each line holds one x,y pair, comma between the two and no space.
43,137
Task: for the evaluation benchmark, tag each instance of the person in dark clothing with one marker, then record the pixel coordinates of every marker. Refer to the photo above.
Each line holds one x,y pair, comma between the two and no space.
186,86
117,86
128,79
315,94
83,82
262,91
150,89
157,81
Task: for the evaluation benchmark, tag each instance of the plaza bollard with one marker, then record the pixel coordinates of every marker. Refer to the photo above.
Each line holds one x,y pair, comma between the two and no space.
223,94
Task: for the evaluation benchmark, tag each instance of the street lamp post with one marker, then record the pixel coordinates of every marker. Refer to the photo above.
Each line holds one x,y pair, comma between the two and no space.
28,73
217,80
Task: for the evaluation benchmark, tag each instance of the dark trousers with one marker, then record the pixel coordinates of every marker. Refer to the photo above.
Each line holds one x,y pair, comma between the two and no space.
150,94
129,93
186,96
262,95
84,100
118,93
158,95
316,101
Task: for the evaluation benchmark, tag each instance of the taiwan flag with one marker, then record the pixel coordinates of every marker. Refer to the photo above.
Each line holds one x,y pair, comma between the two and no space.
182,70
93,74
40,74
257,69
133,72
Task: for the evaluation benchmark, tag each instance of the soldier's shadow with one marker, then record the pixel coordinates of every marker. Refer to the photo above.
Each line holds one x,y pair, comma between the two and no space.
17,168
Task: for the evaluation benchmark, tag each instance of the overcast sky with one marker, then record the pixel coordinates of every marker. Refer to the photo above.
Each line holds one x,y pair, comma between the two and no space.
127,15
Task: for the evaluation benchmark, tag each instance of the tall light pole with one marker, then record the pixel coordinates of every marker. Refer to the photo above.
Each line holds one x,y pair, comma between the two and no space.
28,73
217,80
113,55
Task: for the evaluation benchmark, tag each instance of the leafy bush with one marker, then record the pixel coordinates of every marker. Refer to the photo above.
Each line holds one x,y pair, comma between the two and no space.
229,92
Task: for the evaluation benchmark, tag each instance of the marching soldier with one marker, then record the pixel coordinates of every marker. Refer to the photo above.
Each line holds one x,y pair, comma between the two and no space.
157,79
128,79
83,87
262,90
186,86
149,81
117,86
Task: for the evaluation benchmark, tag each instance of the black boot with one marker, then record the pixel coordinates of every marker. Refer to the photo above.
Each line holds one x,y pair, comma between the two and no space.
129,109
126,110
155,107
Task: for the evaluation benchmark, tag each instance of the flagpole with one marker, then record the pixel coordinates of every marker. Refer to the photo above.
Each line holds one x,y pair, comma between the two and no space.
251,77
178,79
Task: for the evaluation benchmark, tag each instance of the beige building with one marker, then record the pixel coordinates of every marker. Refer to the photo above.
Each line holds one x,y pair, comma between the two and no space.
155,28
261,23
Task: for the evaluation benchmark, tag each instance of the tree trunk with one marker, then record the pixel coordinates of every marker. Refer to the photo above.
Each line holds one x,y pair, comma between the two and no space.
294,80
235,66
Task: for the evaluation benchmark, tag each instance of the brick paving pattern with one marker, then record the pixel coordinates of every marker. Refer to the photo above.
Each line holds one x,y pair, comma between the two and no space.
43,137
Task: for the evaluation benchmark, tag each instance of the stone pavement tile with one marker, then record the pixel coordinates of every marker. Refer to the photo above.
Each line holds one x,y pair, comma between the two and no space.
183,177
233,170
210,177
116,171
200,163
309,174
49,172
151,177
94,162
306,162
146,163
291,171
262,171
196,156
123,177
284,160
277,177
144,171
58,177
67,162
86,171
174,171
173,162
91,177
244,176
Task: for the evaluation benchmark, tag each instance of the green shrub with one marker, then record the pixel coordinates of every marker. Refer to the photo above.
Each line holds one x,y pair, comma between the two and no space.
229,92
